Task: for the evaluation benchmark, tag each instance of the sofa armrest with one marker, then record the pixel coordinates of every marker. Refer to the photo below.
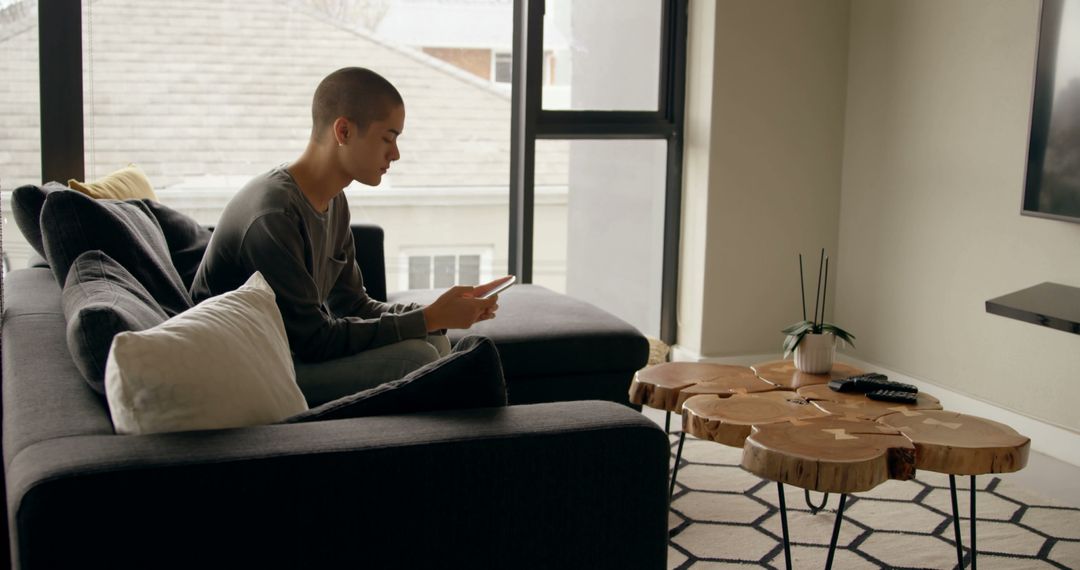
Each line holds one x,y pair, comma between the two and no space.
576,484
371,259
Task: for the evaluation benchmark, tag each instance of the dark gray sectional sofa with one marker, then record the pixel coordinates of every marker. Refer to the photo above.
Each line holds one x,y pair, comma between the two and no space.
561,484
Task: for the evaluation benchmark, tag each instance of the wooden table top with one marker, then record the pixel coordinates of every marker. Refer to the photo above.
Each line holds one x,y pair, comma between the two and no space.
858,405
666,386
783,374
959,444
829,454
728,420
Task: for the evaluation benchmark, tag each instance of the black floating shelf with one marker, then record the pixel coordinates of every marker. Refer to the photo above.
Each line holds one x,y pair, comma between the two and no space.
1048,304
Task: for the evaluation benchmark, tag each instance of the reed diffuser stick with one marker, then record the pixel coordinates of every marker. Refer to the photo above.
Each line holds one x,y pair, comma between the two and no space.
802,288
821,263
824,290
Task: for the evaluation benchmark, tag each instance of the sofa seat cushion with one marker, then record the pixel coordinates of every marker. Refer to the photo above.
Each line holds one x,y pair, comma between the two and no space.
45,397
469,377
543,333
101,299
73,223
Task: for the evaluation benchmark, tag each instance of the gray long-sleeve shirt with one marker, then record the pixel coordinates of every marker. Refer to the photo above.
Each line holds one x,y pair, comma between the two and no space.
308,258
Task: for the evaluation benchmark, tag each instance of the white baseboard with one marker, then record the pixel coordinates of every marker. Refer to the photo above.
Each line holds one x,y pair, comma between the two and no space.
1046,438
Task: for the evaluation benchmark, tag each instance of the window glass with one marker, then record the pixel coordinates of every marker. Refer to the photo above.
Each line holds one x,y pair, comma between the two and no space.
420,272
20,116
504,68
599,226
602,55
445,271
469,270
205,96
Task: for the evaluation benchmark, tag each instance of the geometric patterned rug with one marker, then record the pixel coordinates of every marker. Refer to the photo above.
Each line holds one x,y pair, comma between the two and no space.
724,517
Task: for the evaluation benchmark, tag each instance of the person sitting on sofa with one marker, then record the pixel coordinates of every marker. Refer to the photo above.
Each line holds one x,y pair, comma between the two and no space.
292,224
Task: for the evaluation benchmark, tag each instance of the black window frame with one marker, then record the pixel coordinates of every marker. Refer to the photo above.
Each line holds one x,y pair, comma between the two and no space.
531,122
61,89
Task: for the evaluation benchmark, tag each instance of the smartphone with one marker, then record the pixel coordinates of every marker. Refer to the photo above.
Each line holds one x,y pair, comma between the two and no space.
502,287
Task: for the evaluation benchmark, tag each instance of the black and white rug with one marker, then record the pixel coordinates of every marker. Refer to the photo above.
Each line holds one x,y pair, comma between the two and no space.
724,517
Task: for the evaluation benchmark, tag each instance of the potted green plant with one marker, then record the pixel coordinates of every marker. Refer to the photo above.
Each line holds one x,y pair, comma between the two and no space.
814,341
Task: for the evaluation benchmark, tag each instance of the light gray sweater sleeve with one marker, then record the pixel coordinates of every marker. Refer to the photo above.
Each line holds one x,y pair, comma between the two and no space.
272,245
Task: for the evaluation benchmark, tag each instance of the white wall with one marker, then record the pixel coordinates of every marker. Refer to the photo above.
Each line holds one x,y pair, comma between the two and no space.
771,187
936,136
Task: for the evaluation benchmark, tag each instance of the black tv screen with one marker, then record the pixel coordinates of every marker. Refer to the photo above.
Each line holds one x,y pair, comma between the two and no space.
1052,188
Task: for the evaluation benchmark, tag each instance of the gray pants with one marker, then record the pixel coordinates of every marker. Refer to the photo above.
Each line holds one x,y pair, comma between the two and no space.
329,380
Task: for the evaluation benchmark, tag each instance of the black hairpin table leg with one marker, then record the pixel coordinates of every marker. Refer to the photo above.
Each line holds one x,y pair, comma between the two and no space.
836,530
783,526
956,524
675,470
815,508
971,547
667,422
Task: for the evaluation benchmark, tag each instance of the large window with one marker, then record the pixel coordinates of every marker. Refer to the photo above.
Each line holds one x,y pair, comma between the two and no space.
602,85
203,96
20,127
602,54
604,242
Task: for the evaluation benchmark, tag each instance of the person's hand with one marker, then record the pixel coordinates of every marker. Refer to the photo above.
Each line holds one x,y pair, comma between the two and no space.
459,308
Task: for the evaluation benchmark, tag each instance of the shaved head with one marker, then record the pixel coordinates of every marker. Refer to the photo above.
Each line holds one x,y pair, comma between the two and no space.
358,94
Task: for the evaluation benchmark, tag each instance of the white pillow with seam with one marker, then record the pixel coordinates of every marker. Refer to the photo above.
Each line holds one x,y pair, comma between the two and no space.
221,364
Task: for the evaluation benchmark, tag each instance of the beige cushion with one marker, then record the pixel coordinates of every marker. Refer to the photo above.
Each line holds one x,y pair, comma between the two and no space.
223,363
125,184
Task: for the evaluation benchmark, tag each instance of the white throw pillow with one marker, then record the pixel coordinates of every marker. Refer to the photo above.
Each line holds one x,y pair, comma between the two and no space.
223,363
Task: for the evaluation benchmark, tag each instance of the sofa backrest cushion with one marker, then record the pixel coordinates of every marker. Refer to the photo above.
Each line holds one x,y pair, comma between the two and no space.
469,377
224,363
102,299
368,242
186,238
73,223
26,204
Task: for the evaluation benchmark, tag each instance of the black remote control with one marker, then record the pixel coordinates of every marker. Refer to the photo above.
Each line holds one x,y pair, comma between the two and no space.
864,383
856,383
898,396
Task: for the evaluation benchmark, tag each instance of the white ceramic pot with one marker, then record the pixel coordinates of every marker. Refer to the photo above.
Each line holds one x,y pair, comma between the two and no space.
816,352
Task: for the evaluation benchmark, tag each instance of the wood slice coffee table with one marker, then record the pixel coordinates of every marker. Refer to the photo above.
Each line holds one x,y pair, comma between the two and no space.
831,444
828,454
784,375
959,444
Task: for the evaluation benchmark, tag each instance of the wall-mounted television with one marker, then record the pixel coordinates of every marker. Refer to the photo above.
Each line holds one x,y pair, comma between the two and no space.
1052,188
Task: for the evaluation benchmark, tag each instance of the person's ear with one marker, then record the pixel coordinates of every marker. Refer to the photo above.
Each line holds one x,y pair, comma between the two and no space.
342,130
